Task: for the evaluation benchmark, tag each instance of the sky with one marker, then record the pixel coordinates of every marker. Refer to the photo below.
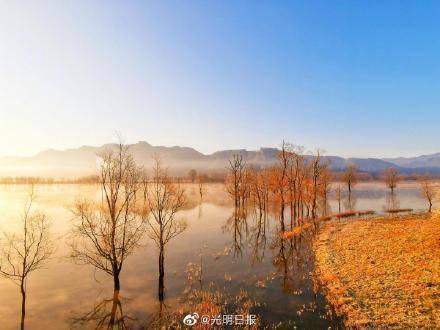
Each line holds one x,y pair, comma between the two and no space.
353,78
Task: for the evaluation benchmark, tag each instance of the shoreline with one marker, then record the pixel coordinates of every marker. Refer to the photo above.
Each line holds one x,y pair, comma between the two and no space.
382,271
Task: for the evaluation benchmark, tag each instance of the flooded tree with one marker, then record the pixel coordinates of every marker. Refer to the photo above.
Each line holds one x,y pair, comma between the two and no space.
259,189
350,177
144,184
296,174
26,251
165,199
279,180
320,178
427,189
325,180
106,233
391,178
338,194
235,180
201,183
192,175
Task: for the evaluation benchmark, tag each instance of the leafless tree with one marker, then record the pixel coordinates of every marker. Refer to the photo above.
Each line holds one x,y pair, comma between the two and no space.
165,199
259,189
338,193
350,177
24,252
295,175
391,178
320,175
144,183
280,180
325,180
427,189
106,233
201,183
192,175
235,179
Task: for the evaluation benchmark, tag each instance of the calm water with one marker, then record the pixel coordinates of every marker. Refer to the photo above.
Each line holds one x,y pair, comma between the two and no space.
247,254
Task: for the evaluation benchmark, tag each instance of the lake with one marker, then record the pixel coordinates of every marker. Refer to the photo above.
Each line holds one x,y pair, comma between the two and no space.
247,255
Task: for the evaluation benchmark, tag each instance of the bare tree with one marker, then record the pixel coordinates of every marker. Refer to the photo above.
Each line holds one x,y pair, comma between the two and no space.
24,252
259,189
165,199
280,179
235,180
338,193
106,233
192,175
144,183
427,189
201,183
325,180
350,177
299,170
391,178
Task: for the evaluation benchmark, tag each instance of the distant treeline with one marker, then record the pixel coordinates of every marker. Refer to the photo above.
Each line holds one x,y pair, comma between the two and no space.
91,179
191,177
46,180
374,176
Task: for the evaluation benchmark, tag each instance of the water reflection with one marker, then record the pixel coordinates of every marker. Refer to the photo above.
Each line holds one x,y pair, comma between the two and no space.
350,203
281,257
108,313
258,239
274,272
162,318
392,202
238,226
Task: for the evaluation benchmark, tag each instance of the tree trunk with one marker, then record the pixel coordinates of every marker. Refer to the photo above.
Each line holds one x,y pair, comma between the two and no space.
114,307
282,215
117,286
161,273
23,303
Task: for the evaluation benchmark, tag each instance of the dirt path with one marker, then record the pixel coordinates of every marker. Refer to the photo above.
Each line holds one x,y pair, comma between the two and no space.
382,272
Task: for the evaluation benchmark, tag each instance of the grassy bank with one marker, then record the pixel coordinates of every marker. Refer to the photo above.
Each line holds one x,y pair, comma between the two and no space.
382,272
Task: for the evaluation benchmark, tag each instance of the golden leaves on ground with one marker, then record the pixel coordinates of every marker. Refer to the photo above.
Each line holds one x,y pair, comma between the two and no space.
382,272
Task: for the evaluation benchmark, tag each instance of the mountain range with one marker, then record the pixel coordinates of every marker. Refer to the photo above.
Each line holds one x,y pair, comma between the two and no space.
82,161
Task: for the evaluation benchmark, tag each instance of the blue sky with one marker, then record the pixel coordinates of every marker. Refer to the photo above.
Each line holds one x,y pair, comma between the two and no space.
353,78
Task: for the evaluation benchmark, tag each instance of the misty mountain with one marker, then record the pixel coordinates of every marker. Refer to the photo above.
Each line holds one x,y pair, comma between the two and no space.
83,161
417,162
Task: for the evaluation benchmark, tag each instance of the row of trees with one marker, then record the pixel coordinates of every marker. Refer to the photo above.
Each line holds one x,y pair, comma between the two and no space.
106,232
295,181
301,184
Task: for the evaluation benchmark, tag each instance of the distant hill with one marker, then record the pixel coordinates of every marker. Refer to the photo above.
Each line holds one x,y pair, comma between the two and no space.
82,161
417,162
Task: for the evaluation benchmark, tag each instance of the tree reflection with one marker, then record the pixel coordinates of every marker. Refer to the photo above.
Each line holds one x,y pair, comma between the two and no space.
281,259
108,313
258,238
162,318
238,226
350,203
392,202
165,198
292,259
